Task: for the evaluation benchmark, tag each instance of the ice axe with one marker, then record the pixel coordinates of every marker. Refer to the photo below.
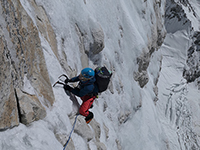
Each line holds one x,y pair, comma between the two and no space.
58,82
64,76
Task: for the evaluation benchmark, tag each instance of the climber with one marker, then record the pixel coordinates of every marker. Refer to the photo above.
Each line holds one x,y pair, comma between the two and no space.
87,90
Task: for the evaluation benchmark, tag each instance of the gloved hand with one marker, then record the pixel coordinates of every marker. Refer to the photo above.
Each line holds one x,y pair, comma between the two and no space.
67,87
66,81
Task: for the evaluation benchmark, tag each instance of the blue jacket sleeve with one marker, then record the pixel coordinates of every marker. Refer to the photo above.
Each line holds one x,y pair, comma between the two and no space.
83,91
74,79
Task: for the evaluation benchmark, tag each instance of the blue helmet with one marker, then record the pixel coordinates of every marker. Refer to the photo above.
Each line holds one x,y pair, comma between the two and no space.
87,73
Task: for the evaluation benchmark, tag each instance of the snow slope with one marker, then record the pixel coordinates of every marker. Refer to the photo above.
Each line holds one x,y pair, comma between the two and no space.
163,115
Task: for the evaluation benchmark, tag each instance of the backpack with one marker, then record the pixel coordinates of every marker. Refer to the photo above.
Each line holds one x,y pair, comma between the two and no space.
102,76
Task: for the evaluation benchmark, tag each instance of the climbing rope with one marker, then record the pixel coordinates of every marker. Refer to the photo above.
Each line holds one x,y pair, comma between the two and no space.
71,132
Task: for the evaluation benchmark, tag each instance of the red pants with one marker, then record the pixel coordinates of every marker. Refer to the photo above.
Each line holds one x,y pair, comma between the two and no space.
85,106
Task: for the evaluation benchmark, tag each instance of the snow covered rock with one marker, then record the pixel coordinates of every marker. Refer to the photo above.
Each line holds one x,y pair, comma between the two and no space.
149,104
91,40
180,52
83,130
98,36
155,40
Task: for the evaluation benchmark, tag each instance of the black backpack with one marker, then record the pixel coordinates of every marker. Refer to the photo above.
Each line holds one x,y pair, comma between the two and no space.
102,76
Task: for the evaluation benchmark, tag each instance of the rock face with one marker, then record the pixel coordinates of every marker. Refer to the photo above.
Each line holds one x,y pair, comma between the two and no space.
21,60
192,71
182,116
30,108
175,15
